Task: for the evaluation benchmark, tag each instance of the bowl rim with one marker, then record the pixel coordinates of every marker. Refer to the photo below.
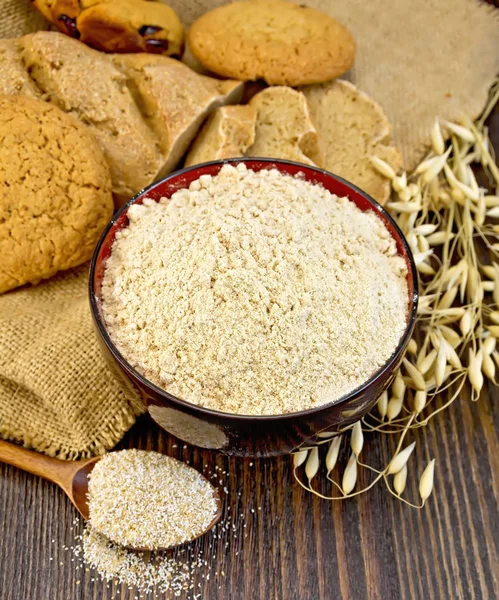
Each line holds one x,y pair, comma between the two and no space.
404,339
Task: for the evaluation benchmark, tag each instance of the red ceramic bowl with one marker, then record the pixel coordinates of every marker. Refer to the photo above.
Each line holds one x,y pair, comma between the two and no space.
240,434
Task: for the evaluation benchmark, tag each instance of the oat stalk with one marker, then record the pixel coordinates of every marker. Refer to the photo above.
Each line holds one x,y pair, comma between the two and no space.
449,222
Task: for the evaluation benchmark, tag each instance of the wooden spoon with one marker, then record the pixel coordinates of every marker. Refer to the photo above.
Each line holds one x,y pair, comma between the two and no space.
71,476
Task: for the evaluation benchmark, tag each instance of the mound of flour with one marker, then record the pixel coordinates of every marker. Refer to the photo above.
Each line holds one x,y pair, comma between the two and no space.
255,293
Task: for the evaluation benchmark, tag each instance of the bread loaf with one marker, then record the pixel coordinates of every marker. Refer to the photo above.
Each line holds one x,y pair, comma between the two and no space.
84,83
174,100
352,128
228,133
143,109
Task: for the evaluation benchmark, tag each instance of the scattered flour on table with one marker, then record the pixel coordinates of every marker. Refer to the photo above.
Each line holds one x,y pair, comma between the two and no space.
255,293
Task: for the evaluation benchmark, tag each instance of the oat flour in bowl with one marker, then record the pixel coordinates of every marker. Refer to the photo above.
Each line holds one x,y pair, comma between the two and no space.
255,293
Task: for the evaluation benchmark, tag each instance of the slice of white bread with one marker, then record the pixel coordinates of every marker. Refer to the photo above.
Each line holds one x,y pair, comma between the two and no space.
228,133
352,128
143,109
284,128
174,100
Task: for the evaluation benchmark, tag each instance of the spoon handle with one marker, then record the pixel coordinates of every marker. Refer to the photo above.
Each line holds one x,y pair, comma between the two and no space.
52,469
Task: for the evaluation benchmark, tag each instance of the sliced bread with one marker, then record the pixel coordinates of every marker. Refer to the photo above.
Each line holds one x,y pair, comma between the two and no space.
174,100
352,127
85,83
143,109
284,128
228,133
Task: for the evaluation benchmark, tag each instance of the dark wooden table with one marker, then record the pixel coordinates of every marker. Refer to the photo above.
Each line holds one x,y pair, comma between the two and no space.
295,546
288,544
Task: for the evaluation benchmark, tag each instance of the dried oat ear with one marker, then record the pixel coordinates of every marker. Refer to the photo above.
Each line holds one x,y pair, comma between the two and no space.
64,15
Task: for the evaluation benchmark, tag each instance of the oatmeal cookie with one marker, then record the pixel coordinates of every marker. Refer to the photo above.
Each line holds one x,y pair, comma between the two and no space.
55,191
280,42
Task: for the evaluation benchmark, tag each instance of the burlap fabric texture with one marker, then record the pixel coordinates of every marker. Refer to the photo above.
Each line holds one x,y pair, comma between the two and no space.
417,59
56,393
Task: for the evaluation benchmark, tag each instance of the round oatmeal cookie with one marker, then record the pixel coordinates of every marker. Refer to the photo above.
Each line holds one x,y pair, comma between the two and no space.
280,42
55,192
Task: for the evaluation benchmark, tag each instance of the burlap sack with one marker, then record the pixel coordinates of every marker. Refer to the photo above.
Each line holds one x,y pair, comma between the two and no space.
417,59
56,393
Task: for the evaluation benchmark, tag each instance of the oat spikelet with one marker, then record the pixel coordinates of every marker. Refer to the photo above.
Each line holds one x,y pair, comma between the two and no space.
475,370
488,367
398,386
437,140
465,322
357,439
451,355
426,481
332,453
416,377
460,131
412,346
299,458
350,475
312,464
420,400
489,344
399,480
383,404
400,460
394,407
382,167
426,362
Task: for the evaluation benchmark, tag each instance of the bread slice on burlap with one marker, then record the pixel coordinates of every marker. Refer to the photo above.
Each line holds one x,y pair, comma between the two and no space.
352,127
284,128
84,83
174,100
228,133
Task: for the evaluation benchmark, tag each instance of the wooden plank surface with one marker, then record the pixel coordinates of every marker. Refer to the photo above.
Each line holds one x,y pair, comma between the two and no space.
287,544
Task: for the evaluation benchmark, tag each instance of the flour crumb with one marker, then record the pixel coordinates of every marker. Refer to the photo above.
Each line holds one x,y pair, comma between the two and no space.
255,293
